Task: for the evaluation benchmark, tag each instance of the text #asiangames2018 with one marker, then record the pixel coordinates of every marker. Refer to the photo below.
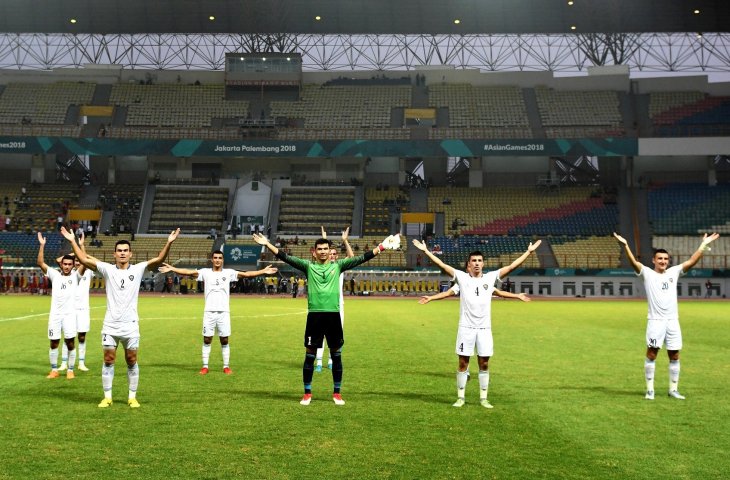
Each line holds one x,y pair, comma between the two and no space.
530,147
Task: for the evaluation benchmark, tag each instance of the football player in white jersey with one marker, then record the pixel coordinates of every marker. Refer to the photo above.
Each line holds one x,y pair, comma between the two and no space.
475,318
216,313
62,316
334,255
83,278
662,326
121,321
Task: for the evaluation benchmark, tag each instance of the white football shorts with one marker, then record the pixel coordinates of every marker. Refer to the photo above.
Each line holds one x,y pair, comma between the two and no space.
57,323
468,338
220,321
83,320
664,332
109,341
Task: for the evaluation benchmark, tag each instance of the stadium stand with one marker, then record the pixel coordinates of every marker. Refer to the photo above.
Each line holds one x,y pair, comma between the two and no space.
124,201
175,105
487,112
523,211
575,114
689,113
42,103
42,205
688,209
303,210
340,106
379,202
589,252
194,209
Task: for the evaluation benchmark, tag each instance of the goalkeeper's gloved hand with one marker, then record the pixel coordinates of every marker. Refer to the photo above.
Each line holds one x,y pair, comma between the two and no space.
392,242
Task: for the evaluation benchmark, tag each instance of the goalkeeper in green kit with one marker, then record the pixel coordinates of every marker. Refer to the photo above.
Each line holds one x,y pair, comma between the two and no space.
323,301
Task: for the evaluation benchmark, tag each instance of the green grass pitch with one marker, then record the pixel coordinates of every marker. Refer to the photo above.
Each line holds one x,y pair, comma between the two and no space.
566,382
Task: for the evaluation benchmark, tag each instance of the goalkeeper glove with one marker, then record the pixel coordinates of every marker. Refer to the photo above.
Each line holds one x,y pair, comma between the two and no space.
391,242
705,245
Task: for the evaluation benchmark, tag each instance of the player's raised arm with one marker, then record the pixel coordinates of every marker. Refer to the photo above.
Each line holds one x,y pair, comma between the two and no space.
153,262
448,269
165,268
268,270
625,245
704,247
441,295
87,261
41,250
520,296
504,271
82,246
345,235
263,241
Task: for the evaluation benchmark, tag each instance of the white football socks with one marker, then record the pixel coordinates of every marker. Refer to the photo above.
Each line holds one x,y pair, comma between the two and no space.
133,379
206,354
53,357
226,352
649,368
673,375
483,384
461,384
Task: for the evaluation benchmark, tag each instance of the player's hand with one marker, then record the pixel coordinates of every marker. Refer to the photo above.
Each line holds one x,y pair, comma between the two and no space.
66,234
345,234
392,242
260,239
324,234
419,245
533,246
81,239
524,297
173,236
42,239
164,268
620,239
269,270
706,241
424,300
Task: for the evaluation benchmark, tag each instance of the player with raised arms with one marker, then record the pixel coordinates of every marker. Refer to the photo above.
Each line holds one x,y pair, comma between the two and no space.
475,317
334,256
217,309
121,321
323,301
62,316
662,327
83,277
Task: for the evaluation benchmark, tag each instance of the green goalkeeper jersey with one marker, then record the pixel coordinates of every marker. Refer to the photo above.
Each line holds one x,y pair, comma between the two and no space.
323,279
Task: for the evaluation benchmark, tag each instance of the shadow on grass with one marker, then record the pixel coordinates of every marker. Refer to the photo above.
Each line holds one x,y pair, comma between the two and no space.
602,389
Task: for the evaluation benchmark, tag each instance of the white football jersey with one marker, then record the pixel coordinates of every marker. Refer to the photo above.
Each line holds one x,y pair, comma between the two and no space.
122,293
63,288
217,288
83,283
475,310
661,291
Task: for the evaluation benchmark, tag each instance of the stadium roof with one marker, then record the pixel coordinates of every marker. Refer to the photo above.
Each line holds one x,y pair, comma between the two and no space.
362,16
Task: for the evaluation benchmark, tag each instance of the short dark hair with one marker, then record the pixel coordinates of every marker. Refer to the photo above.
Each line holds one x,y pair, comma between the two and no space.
216,252
122,242
659,250
68,257
322,241
475,253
